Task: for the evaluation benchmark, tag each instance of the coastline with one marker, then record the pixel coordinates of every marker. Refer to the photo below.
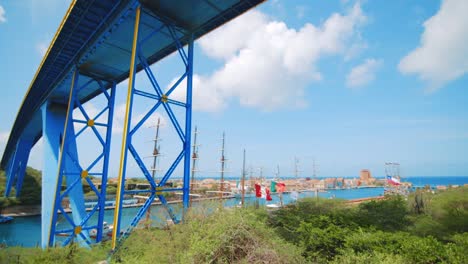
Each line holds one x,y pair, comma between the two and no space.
35,210
26,211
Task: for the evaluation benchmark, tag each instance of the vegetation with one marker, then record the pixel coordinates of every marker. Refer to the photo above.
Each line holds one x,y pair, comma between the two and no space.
30,193
393,231
385,231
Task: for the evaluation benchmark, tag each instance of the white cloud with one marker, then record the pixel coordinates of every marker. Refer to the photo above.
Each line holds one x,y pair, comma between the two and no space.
443,53
119,118
42,48
363,74
2,15
207,99
3,140
267,64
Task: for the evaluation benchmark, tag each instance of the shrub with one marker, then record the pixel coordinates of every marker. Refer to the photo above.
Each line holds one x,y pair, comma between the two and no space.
321,244
378,241
227,236
450,209
423,250
457,249
350,257
388,215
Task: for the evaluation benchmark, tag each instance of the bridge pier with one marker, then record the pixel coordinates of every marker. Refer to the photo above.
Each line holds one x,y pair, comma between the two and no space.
62,163
54,120
17,167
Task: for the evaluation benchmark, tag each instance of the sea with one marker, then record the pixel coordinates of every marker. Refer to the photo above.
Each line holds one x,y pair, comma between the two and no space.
26,231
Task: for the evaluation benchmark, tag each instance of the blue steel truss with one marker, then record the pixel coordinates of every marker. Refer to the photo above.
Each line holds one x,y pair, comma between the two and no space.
161,99
93,42
74,172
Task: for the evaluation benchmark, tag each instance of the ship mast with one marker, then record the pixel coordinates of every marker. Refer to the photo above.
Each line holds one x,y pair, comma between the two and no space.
155,160
314,175
251,177
296,167
223,166
296,171
194,163
243,180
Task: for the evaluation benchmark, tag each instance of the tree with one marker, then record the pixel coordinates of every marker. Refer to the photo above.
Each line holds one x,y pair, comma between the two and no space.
389,215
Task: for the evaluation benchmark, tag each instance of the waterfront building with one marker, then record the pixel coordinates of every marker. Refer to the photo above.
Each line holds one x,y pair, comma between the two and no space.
365,177
330,183
340,182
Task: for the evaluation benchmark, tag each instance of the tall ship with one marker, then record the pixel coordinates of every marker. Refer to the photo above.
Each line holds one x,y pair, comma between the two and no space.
394,184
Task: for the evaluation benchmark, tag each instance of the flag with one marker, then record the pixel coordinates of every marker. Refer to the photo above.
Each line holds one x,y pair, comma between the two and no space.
258,190
263,192
273,186
268,196
393,181
281,187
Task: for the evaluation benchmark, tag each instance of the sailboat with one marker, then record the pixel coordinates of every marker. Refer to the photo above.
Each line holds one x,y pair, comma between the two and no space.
394,185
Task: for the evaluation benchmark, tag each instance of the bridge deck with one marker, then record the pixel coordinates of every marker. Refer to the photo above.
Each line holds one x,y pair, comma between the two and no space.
97,35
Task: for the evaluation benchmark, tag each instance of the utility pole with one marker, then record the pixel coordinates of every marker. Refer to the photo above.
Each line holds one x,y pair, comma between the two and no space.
153,168
194,163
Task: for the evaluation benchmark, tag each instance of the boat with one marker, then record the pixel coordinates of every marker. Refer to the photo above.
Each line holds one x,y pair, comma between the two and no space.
5,219
394,184
273,206
106,231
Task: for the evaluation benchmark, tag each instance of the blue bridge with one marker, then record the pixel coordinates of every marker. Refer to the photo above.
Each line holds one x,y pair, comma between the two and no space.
99,44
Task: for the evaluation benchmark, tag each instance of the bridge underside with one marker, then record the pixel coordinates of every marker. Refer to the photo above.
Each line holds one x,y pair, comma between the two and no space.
98,45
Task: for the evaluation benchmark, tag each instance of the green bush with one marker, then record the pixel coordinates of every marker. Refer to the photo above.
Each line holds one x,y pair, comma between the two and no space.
321,244
318,212
390,214
375,241
350,257
457,249
450,209
423,250
227,236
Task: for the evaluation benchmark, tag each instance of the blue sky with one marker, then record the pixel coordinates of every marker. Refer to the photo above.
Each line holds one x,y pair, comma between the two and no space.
351,84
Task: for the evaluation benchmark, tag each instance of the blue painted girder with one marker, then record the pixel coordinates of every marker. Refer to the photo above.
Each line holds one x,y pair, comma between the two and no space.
96,35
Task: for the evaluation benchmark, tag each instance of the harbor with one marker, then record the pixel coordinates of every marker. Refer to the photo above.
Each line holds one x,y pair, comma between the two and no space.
25,230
